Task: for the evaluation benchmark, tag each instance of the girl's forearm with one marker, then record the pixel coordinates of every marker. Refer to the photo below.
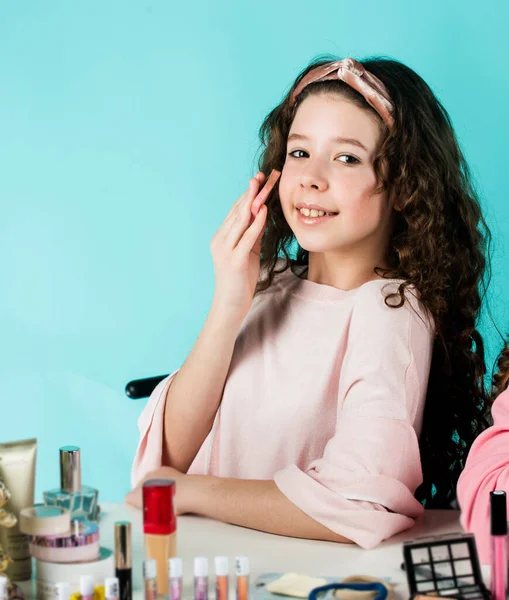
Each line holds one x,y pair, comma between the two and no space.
196,391
254,504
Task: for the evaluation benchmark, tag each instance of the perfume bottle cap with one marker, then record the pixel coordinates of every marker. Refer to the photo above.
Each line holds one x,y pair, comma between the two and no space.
70,469
498,512
158,511
123,545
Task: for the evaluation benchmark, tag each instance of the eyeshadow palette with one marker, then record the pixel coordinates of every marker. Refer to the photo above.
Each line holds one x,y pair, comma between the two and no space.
446,566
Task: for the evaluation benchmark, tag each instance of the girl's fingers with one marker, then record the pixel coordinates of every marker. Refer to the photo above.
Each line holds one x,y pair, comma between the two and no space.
238,225
253,186
263,194
231,218
253,234
229,230
257,247
242,217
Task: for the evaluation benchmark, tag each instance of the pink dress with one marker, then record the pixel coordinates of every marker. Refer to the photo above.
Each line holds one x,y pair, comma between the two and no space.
486,470
325,395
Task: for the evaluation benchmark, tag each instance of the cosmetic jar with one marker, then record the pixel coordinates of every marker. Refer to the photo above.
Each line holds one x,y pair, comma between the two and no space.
79,544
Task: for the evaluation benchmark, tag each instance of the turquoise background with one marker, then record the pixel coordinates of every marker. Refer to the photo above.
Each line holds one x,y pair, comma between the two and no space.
127,130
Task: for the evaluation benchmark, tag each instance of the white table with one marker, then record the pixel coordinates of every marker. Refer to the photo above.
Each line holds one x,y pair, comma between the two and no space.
271,553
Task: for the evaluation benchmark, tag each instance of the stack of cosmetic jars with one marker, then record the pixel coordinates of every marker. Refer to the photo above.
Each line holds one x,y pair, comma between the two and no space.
63,534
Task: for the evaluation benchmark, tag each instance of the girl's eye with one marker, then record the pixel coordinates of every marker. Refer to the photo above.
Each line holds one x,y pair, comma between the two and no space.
293,152
349,159
346,159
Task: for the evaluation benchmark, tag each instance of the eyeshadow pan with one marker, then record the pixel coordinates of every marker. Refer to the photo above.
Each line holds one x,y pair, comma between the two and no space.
444,584
444,570
420,555
463,567
440,552
425,586
459,550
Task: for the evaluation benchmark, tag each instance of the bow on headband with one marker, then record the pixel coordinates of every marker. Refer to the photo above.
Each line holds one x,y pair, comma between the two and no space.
355,75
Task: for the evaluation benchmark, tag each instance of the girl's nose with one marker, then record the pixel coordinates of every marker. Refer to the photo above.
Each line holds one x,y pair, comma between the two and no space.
313,180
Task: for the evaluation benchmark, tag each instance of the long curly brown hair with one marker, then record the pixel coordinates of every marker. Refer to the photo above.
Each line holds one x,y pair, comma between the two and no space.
440,244
501,378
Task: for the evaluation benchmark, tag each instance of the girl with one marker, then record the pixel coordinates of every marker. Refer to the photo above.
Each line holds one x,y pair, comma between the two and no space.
302,411
487,467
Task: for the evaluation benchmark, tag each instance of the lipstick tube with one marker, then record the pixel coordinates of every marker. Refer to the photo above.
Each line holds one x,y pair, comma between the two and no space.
111,588
4,592
123,558
201,578
222,573
62,591
87,587
150,578
242,572
160,526
175,568
498,510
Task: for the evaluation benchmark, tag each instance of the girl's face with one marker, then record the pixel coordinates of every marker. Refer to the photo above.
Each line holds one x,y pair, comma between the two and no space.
329,167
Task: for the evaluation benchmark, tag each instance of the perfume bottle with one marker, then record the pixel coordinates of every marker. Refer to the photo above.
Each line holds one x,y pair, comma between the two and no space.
81,501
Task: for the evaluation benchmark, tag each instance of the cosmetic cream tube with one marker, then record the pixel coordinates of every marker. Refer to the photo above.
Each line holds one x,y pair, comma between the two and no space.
498,509
222,572
201,578
17,471
150,578
111,588
87,587
160,526
175,569
4,592
62,591
123,558
242,573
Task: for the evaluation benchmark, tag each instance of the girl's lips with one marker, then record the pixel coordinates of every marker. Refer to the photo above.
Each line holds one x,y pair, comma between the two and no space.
313,220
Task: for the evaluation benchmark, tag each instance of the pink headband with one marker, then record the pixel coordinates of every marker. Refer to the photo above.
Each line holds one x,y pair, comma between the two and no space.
355,75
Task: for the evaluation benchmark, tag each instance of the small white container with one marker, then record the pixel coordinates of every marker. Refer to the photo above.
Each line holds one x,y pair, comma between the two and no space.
48,574
40,519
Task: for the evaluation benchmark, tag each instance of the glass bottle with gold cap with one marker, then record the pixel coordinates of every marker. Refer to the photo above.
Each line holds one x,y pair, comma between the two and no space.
80,500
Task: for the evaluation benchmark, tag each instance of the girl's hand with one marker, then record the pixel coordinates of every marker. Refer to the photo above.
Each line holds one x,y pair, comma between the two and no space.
236,252
186,488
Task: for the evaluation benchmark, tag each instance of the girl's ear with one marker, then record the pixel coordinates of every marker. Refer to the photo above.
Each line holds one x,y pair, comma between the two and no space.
395,198
397,203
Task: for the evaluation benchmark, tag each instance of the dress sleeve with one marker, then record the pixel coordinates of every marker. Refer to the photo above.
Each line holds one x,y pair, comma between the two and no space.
149,454
363,486
486,470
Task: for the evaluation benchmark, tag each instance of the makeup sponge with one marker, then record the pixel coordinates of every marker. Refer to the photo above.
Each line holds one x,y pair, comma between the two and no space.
292,584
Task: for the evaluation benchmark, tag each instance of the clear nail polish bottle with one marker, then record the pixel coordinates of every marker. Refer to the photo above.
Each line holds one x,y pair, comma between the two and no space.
80,500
